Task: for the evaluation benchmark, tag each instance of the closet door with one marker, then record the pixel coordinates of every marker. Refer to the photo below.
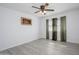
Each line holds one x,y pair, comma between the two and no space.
54,27
63,28
47,29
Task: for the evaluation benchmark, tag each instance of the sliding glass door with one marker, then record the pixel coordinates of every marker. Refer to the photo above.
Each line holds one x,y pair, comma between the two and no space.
54,27
47,29
63,28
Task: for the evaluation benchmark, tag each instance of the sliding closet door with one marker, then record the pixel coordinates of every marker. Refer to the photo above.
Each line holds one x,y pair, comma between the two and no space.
54,27
47,29
63,28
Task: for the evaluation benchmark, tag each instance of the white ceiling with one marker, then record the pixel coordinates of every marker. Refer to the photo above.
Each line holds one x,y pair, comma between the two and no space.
27,7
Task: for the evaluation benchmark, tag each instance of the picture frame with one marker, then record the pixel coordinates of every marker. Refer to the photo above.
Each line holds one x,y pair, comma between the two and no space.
26,21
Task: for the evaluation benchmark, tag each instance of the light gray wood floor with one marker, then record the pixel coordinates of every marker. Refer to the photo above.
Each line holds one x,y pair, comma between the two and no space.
43,47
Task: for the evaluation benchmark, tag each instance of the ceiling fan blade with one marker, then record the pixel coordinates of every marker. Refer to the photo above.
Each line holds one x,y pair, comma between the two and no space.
49,9
35,7
37,11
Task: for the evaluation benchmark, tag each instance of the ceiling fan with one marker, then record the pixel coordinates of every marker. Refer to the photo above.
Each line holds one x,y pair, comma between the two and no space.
43,8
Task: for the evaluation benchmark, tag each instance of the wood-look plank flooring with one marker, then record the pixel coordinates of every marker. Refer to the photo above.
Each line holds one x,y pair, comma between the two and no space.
43,47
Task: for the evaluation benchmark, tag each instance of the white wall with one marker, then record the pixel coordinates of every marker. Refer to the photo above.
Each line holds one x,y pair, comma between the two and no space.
12,33
72,25
42,28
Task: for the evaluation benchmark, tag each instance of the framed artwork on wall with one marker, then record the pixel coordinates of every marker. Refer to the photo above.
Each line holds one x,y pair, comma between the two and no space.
26,21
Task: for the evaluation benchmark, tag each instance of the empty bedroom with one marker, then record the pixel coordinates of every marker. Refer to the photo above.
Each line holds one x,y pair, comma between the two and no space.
39,28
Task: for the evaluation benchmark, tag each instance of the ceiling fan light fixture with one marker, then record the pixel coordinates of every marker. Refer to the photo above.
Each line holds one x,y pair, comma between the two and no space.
43,9
42,13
